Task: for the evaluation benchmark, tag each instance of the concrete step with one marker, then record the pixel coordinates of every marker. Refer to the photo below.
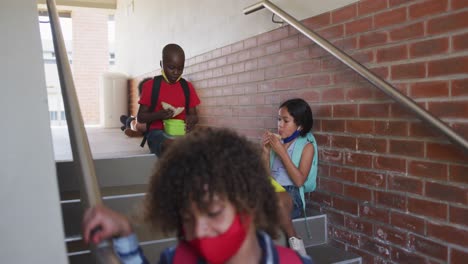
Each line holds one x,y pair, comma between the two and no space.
110,172
124,199
326,254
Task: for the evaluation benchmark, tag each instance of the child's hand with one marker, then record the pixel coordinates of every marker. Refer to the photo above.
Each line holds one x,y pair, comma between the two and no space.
165,114
190,121
275,143
101,223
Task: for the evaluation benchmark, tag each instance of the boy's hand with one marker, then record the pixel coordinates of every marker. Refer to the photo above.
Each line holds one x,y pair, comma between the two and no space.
101,223
190,121
165,114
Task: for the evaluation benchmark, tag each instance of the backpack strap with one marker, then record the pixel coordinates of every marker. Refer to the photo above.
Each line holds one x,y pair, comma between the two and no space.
184,254
154,100
186,89
286,255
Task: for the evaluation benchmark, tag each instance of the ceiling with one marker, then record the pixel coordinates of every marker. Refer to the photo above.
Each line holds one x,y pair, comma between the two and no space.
107,4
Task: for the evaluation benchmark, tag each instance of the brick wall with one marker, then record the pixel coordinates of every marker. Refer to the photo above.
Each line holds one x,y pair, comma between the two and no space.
90,58
394,189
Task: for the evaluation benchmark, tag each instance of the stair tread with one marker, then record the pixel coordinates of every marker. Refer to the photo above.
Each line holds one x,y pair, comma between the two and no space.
326,254
107,192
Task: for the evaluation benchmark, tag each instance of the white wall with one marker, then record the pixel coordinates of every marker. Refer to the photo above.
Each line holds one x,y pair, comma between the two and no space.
31,229
143,27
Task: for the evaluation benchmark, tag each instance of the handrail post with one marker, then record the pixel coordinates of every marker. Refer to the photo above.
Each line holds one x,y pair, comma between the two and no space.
364,72
89,188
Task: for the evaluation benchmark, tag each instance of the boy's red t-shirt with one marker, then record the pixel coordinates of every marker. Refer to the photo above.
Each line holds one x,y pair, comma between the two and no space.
172,94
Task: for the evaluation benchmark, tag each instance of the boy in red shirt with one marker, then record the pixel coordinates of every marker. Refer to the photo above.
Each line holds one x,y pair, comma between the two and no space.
171,92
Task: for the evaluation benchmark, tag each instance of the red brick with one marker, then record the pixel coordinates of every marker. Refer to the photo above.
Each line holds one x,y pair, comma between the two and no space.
358,93
460,127
348,110
273,35
391,128
386,234
405,184
358,160
406,256
419,129
357,126
428,170
447,23
373,179
373,213
358,26
391,164
373,39
428,247
345,174
408,222
458,215
321,111
391,17
391,200
345,77
458,65
330,63
332,32
250,43
290,43
334,217
407,148
358,225
345,236
330,186
374,110
372,145
375,247
346,43
446,192
366,256
457,256
407,32
358,193
408,71
460,87
447,233
458,173
364,57
370,6
318,21
430,89
320,197
331,156
458,109
428,7
446,152
318,80
392,54
345,205
460,42
429,47
333,95
427,208
333,125
459,4
343,14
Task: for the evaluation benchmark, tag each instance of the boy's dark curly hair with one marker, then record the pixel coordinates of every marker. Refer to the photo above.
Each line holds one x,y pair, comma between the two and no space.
231,167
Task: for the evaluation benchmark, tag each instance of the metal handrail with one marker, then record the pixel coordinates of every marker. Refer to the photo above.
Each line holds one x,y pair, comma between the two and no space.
363,71
89,188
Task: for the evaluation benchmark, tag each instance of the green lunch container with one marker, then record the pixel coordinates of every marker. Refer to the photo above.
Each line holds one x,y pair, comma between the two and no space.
174,127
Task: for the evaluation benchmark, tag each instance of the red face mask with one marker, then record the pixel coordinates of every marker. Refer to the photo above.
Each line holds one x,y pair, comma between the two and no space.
221,248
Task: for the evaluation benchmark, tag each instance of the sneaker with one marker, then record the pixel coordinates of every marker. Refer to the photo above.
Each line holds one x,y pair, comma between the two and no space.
131,133
123,119
297,245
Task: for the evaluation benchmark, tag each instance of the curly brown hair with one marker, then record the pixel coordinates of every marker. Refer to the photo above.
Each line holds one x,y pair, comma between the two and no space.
231,167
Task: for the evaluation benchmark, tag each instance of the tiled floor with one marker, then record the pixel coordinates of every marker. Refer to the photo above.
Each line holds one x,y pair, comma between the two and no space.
104,143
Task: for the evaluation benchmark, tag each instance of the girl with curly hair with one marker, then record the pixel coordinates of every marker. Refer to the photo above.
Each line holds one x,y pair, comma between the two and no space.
212,189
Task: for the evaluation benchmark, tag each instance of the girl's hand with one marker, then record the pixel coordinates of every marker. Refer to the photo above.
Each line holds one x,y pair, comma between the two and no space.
276,144
101,223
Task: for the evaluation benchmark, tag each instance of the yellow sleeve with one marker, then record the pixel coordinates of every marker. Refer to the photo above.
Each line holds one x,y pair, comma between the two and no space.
276,185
